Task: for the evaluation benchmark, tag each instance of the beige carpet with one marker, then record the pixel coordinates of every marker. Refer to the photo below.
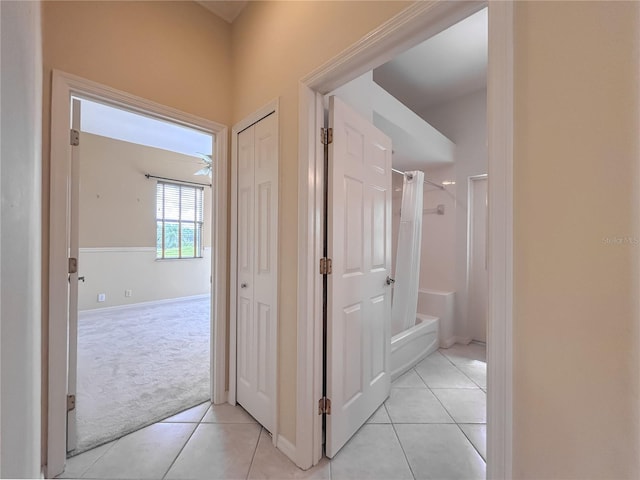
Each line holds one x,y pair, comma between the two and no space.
139,365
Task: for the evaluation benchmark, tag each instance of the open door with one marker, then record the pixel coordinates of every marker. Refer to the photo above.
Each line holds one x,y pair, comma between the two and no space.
358,379
74,195
478,309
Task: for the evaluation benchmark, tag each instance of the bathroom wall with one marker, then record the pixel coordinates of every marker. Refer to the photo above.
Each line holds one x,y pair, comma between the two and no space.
464,121
437,255
438,232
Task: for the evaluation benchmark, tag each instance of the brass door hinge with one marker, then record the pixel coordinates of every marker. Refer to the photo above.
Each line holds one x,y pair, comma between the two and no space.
325,266
71,402
73,265
326,135
324,406
74,138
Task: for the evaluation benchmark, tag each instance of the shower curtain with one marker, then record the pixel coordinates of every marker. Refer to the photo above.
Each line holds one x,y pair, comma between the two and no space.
407,273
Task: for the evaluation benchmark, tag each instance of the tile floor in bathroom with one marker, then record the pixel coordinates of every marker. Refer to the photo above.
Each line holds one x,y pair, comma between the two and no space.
433,426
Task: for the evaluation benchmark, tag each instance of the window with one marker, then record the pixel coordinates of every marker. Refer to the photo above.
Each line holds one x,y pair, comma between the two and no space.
179,221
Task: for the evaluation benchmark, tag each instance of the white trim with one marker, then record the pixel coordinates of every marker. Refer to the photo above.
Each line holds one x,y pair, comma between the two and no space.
451,341
286,447
500,107
416,23
63,87
310,198
273,107
150,303
117,249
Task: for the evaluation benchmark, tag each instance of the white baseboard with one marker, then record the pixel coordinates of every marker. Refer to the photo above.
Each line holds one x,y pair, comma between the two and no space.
144,304
286,447
451,341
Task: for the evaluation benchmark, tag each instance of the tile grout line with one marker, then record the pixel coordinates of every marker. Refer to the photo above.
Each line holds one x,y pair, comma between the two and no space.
393,425
188,439
442,404
255,450
96,460
472,444
455,421
458,368
181,450
406,459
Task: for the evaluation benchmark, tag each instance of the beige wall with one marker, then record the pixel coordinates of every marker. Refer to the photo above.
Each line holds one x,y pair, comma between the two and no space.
575,181
274,45
117,201
175,53
118,225
20,164
576,187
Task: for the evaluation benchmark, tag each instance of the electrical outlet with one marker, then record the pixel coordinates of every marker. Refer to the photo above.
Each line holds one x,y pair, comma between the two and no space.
102,297
128,293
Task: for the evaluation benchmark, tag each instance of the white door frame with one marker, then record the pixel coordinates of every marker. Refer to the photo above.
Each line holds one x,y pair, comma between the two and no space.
64,86
271,108
416,23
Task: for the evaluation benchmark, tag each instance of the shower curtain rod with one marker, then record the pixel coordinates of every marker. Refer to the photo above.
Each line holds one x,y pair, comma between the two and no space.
429,182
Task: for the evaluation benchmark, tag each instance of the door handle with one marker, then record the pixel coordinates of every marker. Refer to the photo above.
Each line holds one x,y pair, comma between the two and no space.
81,279
390,280
244,285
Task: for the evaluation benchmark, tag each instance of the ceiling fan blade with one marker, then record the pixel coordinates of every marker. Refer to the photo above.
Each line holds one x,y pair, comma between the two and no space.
206,158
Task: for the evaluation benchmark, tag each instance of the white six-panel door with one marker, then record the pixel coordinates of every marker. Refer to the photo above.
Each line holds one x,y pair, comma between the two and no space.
257,308
478,276
359,299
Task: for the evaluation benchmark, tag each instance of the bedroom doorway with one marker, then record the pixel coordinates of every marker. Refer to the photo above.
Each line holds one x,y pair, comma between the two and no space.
139,312
167,239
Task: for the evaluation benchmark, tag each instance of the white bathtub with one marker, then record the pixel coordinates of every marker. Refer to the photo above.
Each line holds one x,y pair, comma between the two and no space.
413,345
440,304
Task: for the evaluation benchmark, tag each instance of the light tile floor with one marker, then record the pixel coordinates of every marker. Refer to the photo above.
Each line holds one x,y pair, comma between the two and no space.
432,426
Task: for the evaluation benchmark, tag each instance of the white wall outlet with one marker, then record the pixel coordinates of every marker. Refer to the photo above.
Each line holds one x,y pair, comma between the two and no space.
128,293
102,297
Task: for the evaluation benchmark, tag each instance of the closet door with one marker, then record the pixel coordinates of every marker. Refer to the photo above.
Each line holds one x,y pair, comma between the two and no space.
257,308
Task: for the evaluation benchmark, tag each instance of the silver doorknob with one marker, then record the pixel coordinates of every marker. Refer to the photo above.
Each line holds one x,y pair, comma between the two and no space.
390,280
244,285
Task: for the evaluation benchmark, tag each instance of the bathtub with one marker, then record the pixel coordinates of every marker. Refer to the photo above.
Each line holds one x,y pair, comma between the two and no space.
440,304
411,346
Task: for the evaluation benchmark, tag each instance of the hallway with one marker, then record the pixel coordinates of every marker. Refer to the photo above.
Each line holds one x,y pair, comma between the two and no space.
433,425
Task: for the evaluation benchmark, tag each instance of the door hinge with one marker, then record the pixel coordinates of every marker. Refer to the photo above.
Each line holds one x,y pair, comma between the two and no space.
71,402
325,266
326,135
324,406
73,265
74,138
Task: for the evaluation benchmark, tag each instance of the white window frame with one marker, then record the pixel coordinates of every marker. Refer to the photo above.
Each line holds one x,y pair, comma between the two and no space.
197,246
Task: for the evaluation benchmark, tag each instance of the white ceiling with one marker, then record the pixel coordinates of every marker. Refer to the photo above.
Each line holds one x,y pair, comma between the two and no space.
228,11
100,119
446,66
